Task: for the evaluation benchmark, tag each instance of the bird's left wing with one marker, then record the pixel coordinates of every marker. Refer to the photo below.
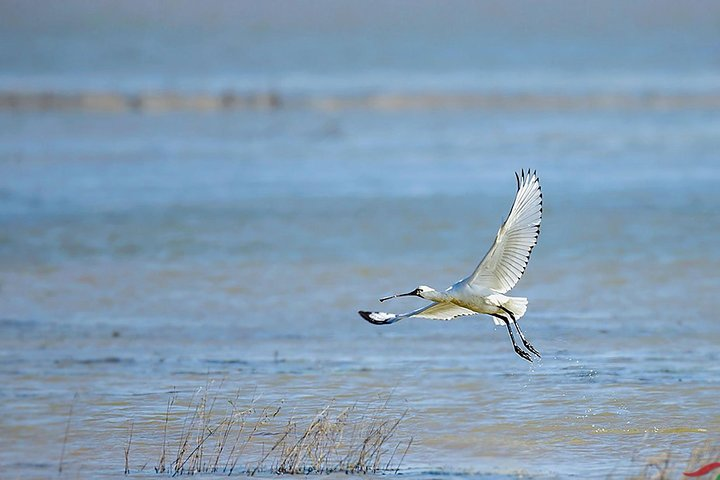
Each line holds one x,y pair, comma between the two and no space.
435,311
505,262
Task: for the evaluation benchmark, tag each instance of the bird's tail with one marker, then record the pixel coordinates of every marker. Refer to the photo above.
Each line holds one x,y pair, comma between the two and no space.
517,305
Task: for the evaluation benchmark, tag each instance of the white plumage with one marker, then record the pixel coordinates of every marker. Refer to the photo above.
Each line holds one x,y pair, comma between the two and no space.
483,291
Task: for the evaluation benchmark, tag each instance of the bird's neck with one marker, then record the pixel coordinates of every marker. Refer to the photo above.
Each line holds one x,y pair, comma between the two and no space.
435,296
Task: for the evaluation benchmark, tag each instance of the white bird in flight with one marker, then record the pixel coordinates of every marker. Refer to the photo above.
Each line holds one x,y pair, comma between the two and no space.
498,272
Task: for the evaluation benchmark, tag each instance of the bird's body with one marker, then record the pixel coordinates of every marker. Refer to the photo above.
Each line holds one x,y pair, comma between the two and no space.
485,302
483,292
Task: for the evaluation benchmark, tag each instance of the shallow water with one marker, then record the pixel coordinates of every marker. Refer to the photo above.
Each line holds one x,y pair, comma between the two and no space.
126,276
145,254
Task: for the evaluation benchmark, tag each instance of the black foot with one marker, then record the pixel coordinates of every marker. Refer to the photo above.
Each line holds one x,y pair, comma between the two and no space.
525,342
523,353
529,346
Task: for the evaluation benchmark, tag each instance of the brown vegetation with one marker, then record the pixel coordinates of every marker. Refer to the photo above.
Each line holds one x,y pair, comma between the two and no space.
203,437
666,466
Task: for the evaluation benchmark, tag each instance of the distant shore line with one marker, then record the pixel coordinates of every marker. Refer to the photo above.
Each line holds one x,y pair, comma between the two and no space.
168,101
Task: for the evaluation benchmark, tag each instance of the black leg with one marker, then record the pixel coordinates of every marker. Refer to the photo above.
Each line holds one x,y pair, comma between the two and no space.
512,315
525,342
518,350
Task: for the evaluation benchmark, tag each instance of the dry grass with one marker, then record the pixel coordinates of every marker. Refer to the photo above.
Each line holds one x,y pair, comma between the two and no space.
67,432
666,467
208,435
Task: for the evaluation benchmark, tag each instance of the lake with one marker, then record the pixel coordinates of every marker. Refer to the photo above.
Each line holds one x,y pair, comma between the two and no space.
150,252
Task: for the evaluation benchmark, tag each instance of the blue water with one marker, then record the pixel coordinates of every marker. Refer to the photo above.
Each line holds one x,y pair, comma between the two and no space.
146,252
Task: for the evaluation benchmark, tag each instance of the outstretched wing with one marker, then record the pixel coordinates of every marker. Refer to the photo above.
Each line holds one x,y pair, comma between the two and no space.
435,311
505,262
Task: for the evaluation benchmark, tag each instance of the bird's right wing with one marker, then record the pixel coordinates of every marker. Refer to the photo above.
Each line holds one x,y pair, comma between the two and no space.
505,262
435,311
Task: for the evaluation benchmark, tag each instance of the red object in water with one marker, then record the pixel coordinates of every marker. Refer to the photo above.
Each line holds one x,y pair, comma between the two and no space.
703,470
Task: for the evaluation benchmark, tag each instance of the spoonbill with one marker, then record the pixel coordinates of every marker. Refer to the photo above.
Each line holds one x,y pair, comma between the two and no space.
498,272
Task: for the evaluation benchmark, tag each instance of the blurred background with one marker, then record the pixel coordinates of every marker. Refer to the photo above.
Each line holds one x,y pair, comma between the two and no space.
211,190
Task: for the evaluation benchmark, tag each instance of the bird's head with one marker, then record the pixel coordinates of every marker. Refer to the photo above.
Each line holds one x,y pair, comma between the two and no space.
423,291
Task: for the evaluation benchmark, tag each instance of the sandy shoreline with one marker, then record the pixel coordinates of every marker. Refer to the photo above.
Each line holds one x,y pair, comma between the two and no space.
159,101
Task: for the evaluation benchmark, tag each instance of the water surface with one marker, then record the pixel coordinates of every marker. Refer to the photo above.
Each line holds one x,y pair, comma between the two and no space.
148,253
